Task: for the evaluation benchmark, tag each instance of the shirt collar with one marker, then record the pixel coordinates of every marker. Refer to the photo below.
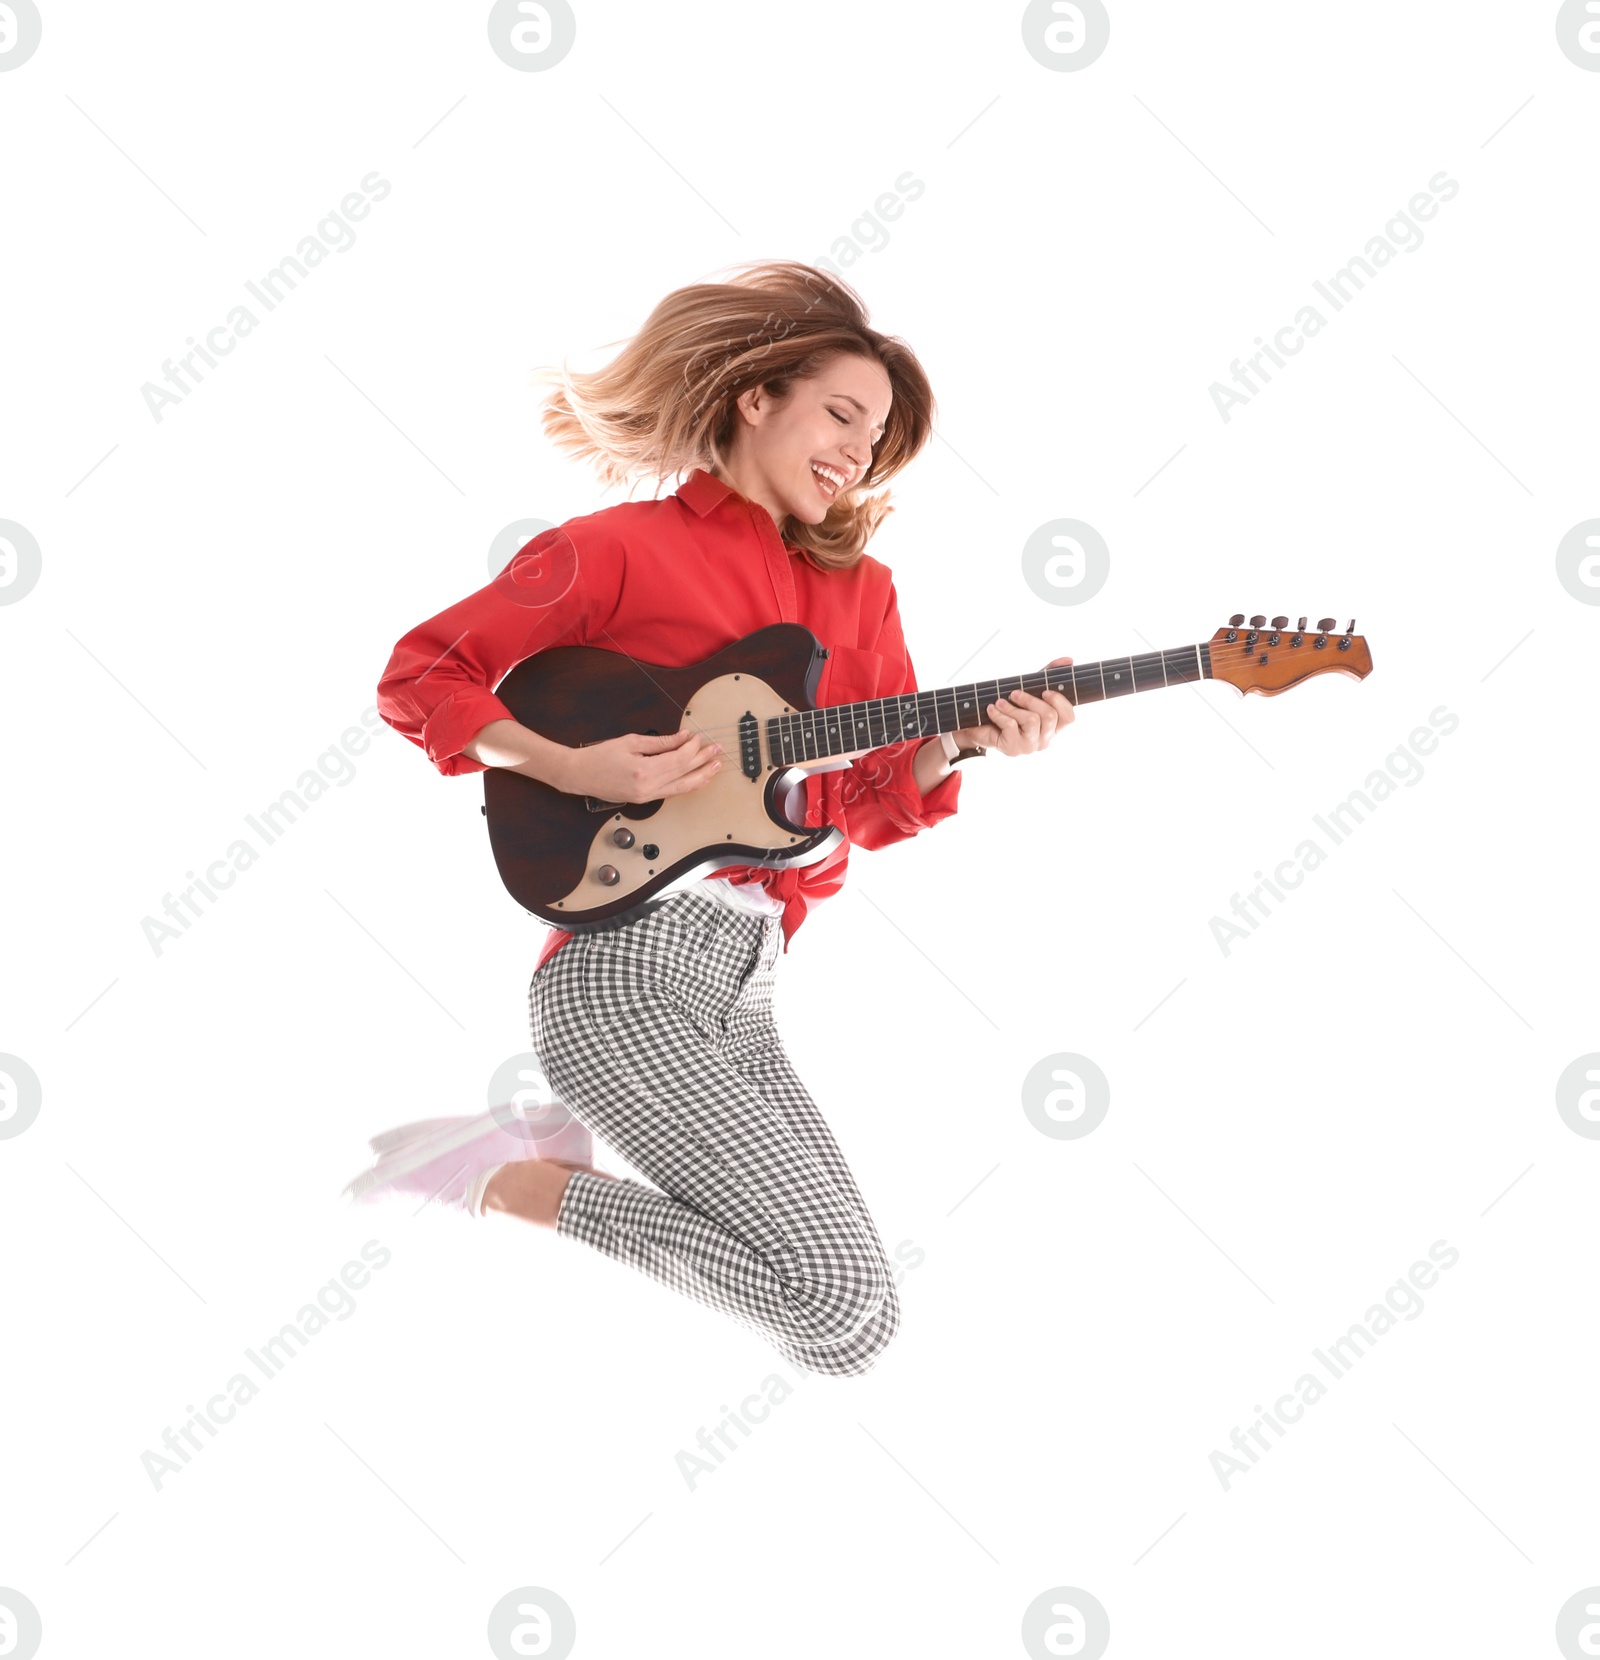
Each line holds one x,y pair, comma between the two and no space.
702,491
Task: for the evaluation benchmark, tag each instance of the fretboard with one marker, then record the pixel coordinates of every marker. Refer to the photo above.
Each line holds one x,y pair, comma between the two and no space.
813,734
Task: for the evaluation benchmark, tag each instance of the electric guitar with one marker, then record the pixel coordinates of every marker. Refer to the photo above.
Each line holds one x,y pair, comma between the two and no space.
583,864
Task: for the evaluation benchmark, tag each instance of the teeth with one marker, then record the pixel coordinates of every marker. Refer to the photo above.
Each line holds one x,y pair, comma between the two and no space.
835,479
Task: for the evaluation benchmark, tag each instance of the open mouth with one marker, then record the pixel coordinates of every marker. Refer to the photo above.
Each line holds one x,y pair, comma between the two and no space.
828,480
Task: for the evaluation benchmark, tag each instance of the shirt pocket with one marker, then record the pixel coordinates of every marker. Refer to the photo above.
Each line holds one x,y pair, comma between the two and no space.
850,677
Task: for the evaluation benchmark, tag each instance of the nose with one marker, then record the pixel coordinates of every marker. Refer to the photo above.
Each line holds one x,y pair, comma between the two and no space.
859,453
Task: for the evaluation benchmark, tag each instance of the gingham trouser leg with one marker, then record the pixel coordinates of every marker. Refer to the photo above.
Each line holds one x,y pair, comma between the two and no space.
772,1073
658,1037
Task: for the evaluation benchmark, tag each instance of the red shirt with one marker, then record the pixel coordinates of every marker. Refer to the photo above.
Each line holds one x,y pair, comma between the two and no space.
672,581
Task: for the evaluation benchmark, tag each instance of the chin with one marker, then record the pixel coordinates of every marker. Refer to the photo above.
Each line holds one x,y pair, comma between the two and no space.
813,512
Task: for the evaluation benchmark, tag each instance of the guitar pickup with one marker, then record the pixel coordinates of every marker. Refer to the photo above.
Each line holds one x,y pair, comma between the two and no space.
749,746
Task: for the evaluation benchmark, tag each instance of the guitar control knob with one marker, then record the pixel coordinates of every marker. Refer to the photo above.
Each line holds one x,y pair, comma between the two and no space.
1325,625
1257,622
623,837
608,876
1236,620
650,850
1280,622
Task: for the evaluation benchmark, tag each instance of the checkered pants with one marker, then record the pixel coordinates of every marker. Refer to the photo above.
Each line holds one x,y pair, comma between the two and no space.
658,1036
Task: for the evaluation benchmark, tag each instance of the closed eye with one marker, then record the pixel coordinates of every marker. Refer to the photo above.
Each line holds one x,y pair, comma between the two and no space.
844,421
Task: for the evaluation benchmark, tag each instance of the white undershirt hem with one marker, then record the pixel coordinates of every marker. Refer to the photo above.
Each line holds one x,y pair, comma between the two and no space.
749,897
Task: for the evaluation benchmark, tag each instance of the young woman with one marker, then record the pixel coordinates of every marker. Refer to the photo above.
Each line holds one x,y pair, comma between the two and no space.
780,402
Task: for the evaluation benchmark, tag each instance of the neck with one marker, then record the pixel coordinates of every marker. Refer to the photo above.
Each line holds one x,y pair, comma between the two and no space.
736,477
849,728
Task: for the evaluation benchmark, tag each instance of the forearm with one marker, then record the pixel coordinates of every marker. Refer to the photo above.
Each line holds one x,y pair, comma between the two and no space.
930,766
517,748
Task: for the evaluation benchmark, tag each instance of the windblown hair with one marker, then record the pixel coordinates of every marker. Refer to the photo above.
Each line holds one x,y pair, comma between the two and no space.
666,403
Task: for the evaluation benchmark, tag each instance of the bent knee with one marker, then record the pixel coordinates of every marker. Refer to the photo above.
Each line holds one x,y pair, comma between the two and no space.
835,1291
860,1352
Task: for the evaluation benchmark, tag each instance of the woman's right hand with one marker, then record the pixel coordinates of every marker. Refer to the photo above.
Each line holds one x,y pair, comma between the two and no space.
640,766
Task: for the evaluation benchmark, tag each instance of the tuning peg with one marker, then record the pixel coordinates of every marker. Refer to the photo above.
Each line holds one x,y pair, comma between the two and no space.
1280,622
1325,625
1236,619
1352,628
1301,627
1257,622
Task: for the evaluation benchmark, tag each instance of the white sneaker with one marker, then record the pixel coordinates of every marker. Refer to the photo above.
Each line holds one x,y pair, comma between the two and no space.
448,1161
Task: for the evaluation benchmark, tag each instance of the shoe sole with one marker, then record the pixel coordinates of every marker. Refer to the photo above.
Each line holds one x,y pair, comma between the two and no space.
372,1181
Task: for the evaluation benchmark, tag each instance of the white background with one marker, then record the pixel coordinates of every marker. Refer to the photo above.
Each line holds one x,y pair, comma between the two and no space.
1374,1069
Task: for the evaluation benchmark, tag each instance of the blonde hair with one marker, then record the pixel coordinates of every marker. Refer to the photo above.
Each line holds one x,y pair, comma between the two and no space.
666,402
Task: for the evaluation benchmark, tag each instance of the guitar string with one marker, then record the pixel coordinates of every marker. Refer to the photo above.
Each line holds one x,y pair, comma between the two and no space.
1223,654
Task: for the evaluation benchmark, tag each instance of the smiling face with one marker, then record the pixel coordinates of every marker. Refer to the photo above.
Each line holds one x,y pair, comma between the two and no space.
796,455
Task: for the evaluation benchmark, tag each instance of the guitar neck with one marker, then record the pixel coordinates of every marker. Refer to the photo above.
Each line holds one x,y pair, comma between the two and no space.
812,734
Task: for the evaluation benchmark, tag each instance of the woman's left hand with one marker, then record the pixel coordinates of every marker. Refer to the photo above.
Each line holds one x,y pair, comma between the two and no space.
1021,724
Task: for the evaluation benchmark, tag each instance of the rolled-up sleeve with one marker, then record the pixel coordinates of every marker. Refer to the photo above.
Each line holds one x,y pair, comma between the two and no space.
878,791
437,689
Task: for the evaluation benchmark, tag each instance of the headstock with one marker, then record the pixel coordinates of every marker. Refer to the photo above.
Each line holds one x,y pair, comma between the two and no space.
1269,658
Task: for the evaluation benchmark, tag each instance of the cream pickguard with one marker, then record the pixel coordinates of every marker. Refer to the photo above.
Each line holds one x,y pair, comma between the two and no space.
729,809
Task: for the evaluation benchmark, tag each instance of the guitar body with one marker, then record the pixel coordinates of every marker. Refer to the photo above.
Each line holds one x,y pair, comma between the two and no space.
584,865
